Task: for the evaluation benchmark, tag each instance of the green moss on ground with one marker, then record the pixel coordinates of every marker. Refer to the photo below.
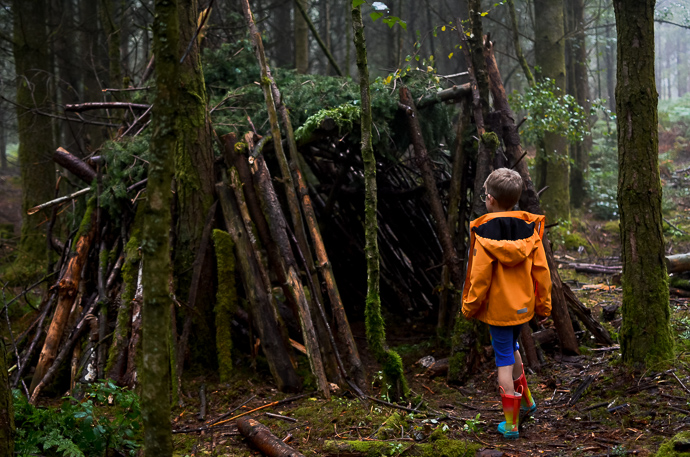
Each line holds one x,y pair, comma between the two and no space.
440,448
678,446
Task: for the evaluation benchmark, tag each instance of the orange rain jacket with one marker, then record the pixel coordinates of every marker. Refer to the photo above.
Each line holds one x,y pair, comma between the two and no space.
508,278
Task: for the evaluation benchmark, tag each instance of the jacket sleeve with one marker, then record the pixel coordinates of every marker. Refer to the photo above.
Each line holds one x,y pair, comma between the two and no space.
480,280
542,281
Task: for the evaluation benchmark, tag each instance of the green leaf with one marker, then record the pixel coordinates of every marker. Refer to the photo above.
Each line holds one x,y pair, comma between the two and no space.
357,3
375,15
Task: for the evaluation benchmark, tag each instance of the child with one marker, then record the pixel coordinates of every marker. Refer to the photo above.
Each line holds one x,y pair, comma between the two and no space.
507,281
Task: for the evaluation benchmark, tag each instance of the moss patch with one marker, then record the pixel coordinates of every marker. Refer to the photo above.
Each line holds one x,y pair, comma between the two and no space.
440,448
678,446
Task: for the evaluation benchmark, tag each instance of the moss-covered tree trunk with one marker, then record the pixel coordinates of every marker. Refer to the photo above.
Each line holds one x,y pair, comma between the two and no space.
375,327
6,410
226,301
155,370
194,191
516,44
32,67
110,26
579,153
91,47
301,38
552,163
645,332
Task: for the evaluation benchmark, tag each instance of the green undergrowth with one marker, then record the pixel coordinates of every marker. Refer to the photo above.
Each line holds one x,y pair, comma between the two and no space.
106,419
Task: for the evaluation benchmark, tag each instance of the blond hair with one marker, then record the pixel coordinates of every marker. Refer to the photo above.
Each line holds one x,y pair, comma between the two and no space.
505,186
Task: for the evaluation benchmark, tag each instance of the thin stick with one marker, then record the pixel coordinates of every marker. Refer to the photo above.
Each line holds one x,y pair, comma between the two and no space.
51,203
261,407
680,382
14,343
392,405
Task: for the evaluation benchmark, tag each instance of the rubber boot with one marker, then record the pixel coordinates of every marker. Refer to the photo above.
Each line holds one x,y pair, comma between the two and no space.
527,405
511,410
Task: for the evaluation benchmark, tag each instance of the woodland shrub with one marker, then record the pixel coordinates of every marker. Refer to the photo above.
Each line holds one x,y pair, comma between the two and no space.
108,417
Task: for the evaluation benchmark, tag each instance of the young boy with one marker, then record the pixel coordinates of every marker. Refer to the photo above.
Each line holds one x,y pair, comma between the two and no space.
507,281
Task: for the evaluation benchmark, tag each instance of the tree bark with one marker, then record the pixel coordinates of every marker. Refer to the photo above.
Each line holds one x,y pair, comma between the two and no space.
6,409
678,263
32,67
375,330
263,311
74,165
226,302
262,438
278,226
301,41
645,333
516,44
581,149
194,188
111,28
552,160
324,47
67,290
155,371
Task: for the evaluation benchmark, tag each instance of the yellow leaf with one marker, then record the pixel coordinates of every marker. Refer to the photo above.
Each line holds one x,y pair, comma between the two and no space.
485,13
450,55
443,29
388,80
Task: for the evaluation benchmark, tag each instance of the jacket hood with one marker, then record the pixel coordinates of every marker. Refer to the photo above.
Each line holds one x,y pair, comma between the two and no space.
509,236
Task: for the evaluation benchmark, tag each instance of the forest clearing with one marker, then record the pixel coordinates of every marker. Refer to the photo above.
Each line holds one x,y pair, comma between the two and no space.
250,228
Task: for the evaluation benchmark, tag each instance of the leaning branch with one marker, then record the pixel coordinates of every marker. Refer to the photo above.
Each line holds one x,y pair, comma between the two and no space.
81,107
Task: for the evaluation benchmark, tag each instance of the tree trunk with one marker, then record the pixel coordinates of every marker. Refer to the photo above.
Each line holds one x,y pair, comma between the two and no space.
226,302
155,371
580,150
301,40
516,43
32,67
375,329
6,409
610,64
110,26
3,139
645,332
552,161
67,289
457,218
194,189
90,46
263,311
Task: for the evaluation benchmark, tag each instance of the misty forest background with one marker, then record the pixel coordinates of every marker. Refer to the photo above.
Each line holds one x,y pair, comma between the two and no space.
281,191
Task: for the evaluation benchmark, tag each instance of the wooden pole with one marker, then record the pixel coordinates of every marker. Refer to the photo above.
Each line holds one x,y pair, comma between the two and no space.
67,292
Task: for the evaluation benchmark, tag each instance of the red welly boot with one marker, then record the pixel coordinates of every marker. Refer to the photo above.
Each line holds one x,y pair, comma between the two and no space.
511,410
527,405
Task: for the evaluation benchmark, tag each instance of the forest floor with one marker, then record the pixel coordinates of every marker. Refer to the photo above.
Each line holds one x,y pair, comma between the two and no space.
588,405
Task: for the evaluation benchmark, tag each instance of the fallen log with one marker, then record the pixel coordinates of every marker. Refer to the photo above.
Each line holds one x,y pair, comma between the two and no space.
74,165
677,263
545,337
452,93
265,441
